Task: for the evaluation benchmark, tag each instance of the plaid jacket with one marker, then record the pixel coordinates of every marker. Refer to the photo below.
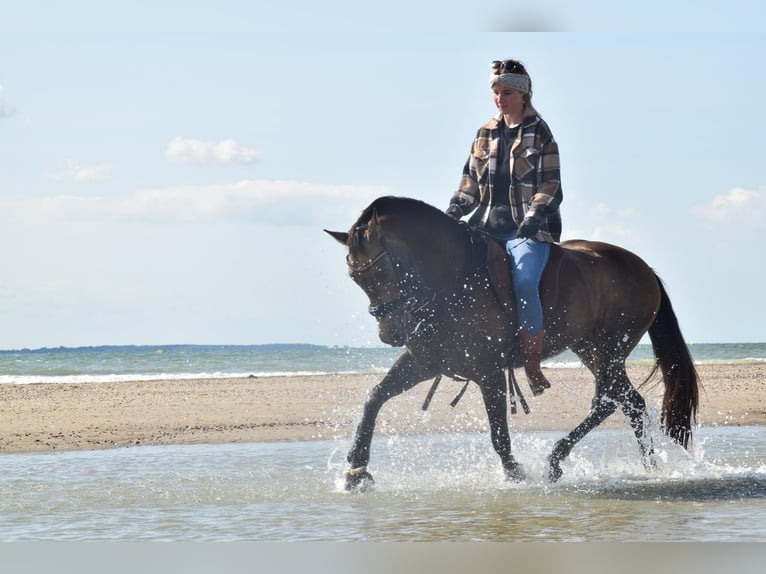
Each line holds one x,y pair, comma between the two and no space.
535,180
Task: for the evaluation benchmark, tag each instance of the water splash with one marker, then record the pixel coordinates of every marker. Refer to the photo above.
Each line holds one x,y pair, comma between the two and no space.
606,463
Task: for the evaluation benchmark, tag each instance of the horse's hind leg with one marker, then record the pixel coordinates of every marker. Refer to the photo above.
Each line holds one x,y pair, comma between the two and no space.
631,403
601,407
634,407
493,391
613,389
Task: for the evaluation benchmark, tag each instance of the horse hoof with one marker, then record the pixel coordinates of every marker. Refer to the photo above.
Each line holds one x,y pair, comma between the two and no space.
650,462
359,481
515,473
554,470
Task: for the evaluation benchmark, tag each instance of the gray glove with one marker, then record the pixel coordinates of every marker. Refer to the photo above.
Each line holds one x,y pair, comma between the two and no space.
454,211
529,227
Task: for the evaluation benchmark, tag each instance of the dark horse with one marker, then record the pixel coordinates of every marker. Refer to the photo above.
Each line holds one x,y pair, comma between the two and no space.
427,280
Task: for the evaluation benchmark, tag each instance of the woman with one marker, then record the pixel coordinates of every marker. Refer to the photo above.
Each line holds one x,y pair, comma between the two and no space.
511,182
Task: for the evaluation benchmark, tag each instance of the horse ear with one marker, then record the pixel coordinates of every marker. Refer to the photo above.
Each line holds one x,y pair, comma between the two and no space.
339,236
372,229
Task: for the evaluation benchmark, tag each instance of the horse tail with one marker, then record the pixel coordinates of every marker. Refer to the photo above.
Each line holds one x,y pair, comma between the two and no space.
679,405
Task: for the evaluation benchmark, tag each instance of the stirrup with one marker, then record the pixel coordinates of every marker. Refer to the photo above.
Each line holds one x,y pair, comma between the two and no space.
539,387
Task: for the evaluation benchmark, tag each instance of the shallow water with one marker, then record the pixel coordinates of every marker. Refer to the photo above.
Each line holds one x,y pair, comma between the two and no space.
428,488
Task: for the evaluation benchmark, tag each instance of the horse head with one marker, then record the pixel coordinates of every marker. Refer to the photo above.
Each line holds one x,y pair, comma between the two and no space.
402,252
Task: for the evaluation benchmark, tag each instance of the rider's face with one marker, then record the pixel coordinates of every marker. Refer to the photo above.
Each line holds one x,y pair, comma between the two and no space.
508,101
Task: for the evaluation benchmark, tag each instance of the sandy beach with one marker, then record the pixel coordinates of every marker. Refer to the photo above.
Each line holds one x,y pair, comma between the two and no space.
47,417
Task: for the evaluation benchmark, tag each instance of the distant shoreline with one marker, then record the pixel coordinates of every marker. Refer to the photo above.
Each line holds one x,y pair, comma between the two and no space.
39,417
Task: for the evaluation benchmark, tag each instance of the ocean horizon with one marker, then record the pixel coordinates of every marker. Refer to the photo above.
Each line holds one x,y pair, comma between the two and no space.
179,361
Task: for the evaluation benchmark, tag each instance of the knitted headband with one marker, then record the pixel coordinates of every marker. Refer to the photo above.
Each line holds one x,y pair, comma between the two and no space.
518,82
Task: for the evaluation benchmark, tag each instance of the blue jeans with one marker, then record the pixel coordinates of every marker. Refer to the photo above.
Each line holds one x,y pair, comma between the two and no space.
528,258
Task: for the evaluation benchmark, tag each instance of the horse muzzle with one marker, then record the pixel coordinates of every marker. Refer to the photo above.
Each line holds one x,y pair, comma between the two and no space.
392,331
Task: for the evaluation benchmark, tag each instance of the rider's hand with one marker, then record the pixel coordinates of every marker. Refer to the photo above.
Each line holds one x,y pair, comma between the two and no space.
529,227
454,211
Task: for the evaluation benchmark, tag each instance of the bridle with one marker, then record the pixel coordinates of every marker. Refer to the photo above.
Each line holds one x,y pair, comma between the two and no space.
408,300
419,306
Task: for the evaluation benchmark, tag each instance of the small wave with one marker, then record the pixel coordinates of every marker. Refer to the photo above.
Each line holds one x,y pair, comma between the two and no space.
68,376
563,365
742,361
121,378
569,364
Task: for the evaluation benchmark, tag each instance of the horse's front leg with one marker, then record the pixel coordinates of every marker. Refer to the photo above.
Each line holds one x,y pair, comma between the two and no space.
493,391
402,376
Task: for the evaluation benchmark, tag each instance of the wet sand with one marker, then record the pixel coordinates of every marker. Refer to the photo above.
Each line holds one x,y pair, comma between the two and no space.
47,417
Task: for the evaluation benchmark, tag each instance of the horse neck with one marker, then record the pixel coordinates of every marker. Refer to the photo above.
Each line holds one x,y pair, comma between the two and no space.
443,255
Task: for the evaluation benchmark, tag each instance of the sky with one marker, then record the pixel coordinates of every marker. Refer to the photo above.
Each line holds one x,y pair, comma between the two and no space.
167,168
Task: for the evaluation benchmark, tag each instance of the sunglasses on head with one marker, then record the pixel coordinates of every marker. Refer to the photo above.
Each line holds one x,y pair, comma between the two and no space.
507,67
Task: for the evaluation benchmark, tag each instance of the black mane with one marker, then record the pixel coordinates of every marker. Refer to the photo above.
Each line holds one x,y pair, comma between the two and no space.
388,204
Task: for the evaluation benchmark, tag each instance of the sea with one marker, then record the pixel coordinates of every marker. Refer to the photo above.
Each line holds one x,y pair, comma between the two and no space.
149,362
436,488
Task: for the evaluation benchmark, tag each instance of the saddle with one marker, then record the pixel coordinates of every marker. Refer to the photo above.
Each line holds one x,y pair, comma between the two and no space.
499,272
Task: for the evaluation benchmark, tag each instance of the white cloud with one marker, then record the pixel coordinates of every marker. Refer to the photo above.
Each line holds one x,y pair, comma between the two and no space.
602,211
738,207
610,224
255,201
73,171
597,221
268,201
199,152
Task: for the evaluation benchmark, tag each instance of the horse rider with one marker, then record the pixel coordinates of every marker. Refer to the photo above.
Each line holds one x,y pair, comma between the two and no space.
511,183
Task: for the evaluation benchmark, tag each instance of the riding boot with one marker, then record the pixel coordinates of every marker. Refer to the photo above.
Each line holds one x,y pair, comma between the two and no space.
532,349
